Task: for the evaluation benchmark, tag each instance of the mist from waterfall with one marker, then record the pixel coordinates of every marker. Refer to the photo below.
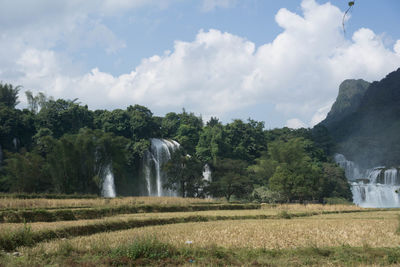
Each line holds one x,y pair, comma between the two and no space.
159,153
108,184
372,188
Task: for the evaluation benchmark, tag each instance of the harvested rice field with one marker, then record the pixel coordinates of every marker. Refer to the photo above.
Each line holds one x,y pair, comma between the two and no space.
15,203
281,235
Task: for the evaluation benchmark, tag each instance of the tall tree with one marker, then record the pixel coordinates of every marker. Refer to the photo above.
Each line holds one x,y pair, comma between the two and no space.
184,174
230,178
9,95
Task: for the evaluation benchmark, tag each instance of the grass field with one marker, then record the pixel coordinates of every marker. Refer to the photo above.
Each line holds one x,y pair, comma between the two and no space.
281,235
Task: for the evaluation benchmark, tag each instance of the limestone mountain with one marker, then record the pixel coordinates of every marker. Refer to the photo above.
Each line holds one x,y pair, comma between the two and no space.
364,122
348,100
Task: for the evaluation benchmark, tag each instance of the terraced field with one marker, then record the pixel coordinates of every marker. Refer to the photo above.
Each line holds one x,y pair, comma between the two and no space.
216,233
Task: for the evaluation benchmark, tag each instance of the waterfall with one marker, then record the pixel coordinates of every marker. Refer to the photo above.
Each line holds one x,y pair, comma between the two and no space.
372,188
351,170
108,184
158,154
206,177
207,173
391,177
15,143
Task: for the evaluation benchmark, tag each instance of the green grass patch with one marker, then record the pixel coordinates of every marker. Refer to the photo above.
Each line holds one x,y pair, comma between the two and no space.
152,252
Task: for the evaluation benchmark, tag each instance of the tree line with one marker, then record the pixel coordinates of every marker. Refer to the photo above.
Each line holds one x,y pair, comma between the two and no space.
60,146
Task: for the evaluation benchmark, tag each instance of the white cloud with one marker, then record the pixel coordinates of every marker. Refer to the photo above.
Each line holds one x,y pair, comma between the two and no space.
396,48
218,72
320,114
295,124
209,5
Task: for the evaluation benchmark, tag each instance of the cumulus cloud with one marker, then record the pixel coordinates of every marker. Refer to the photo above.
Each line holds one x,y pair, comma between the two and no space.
295,124
299,72
320,114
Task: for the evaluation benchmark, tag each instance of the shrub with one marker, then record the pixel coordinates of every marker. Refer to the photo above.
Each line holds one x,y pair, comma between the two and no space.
9,240
264,195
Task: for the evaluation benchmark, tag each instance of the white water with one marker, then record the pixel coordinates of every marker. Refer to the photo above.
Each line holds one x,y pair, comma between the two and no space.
108,184
15,143
372,188
159,153
207,173
207,176
351,170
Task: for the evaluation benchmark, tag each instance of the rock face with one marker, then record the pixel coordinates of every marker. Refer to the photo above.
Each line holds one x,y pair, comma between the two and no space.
365,121
348,100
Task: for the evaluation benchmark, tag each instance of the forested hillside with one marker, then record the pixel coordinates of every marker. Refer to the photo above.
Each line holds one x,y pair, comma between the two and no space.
60,146
367,131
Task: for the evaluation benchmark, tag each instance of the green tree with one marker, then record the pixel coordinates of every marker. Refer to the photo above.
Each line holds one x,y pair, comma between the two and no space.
335,184
9,95
184,174
116,122
189,130
297,177
230,178
263,170
64,117
247,140
36,102
170,125
213,143
26,172
78,162
15,125
142,123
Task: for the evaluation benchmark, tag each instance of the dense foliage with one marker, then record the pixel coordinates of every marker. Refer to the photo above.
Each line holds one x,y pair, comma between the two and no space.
60,146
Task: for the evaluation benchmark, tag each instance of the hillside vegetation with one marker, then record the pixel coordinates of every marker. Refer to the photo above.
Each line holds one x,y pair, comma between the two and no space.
58,147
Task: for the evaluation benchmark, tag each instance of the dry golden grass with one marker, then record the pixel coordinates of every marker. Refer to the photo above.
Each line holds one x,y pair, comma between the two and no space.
12,203
312,207
266,210
39,226
374,229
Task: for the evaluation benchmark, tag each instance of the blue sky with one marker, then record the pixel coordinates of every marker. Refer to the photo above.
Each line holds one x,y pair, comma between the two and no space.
276,61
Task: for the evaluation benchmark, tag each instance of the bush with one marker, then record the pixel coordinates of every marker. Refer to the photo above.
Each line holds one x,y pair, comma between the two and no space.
9,240
264,195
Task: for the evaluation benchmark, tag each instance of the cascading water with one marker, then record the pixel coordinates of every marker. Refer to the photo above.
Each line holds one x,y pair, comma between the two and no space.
15,143
159,153
207,173
207,177
373,188
351,170
108,184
